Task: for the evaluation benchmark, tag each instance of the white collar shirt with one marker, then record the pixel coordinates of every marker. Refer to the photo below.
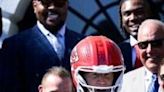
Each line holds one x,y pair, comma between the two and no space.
53,38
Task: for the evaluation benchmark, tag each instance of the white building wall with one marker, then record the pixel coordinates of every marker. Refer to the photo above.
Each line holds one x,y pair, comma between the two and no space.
12,12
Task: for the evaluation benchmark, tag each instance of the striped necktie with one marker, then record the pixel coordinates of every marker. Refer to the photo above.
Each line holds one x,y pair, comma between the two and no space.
153,87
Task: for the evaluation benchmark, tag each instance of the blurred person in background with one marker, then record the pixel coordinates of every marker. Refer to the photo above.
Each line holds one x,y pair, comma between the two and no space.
56,79
161,76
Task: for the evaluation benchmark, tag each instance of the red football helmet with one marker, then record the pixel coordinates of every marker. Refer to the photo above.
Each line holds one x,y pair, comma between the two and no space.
96,54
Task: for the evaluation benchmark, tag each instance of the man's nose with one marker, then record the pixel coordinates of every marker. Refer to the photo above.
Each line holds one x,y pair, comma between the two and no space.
133,16
149,48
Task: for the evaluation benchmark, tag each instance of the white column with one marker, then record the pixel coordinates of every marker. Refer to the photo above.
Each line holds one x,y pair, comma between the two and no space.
12,12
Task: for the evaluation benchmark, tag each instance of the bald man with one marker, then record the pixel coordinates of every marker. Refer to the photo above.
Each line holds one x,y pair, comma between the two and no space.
151,50
57,79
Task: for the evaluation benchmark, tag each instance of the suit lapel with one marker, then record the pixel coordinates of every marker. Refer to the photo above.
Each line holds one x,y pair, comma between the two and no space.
140,77
127,54
43,43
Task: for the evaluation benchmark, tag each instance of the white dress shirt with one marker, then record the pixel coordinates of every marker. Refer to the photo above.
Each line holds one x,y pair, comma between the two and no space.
53,39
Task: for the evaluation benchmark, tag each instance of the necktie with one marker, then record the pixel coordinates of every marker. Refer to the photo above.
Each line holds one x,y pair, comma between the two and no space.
138,61
60,47
153,87
57,44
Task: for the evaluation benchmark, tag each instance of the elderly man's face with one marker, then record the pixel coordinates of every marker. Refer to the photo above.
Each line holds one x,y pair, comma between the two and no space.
151,43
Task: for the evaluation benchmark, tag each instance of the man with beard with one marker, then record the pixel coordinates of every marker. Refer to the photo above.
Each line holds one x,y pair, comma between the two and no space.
132,13
30,53
151,51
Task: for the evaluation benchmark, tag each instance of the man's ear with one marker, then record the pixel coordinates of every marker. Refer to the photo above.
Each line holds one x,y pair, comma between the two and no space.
40,88
34,4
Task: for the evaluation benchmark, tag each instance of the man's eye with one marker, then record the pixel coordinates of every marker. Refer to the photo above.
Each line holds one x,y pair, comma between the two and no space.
94,75
126,13
162,77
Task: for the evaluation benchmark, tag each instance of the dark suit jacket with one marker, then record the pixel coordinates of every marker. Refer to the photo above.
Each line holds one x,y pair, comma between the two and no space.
28,55
126,50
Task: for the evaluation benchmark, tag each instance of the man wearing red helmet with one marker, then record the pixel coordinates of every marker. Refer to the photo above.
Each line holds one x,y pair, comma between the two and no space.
97,65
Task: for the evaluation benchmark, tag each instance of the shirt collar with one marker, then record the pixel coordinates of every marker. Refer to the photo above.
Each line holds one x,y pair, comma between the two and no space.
148,74
45,31
133,41
62,30
42,28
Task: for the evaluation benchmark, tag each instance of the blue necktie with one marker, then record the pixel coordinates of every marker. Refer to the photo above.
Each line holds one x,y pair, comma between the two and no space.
58,44
60,47
154,84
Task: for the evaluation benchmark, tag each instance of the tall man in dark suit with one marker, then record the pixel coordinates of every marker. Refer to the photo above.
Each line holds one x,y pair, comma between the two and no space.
132,13
30,53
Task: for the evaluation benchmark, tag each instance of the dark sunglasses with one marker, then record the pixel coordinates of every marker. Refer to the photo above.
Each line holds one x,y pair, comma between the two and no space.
57,3
154,44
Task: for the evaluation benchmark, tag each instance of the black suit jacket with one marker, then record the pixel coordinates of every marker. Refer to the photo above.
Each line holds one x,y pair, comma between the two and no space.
126,50
28,55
